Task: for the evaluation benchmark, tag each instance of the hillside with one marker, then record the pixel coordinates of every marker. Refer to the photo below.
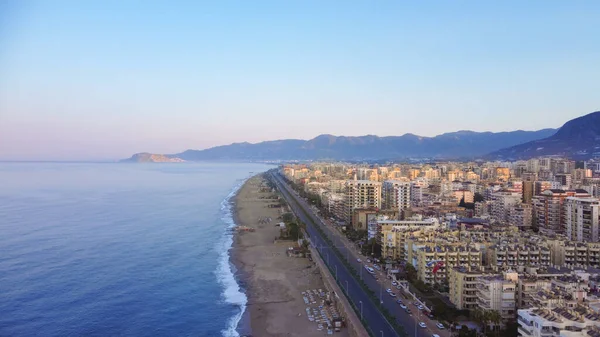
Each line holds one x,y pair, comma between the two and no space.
579,138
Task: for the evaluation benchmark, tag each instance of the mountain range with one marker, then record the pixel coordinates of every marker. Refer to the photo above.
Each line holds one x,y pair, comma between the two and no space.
578,138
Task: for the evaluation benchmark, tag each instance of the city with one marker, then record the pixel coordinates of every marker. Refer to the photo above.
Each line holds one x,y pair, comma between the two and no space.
505,245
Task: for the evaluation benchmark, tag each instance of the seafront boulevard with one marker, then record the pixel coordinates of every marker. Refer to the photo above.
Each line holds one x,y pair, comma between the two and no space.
277,285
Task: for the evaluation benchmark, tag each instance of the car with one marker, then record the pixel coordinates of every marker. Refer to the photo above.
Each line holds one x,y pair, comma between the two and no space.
358,260
422,325
440,326
420,307
388,290
399,301
369,260
394,283
398,287
403,306
392,294
434,335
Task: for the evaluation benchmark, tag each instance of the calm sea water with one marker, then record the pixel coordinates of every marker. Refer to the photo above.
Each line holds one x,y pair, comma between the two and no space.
118,249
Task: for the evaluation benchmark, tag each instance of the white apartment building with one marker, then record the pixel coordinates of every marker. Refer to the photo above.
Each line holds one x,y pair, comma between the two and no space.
558,322
396,194
502,202
498,293
581,216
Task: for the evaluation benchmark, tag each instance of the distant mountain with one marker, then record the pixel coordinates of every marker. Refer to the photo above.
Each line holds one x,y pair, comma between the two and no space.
461,144
579,138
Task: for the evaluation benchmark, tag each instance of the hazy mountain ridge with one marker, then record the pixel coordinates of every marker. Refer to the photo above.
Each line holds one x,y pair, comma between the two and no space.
578,138
460,144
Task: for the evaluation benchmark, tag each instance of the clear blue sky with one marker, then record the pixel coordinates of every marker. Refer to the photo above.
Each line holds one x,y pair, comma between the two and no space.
105,79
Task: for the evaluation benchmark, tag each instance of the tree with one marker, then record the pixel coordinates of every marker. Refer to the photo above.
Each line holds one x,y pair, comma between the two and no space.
496,318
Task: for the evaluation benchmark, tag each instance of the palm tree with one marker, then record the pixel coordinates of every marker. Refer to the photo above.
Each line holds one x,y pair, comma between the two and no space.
496,318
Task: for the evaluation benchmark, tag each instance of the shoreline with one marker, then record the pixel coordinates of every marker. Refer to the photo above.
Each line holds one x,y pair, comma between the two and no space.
244,327
273,282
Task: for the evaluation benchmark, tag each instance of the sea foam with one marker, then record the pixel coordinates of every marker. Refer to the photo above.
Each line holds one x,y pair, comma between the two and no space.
232,293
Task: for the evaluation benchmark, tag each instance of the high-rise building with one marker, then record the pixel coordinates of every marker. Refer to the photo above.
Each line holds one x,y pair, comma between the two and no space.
549,213
396,195
361,194
582,219
528,188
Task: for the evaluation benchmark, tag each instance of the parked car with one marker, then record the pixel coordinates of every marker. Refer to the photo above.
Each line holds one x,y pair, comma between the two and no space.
422,325
394,283
369,260
388,290
420,307
399,301
358,260
440,326
434,335
403,306
392,294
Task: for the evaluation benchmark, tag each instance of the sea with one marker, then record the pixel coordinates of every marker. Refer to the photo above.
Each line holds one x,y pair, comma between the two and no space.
110,249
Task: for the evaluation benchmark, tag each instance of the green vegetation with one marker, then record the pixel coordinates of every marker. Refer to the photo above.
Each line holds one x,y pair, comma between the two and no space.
371,248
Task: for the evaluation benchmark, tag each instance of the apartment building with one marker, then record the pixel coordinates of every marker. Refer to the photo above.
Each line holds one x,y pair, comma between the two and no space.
572,254
521,215
396,194
541,186
560,322
392,234
463,287
442,258
581,216
510,256
361,194
549,213
501,202
498,293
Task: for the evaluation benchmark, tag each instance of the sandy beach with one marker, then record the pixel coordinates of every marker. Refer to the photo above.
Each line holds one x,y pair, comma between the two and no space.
274,282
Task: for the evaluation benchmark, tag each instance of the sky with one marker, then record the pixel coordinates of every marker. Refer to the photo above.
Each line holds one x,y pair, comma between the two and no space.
101,80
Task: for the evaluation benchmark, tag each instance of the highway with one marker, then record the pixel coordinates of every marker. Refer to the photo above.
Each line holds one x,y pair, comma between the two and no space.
375,321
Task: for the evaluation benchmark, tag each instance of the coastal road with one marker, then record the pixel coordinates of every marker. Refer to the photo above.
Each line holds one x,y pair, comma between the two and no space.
382,282
408,322
375,321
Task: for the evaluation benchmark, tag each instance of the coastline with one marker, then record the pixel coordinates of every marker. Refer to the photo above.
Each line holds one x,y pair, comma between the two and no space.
273,282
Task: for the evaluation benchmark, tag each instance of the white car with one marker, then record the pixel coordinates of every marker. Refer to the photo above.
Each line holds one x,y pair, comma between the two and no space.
402,306
388,290
394,283
392,294
440,326
422,325
358,260
434,335
420,307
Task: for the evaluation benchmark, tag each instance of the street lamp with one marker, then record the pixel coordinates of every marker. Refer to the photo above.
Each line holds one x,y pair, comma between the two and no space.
346,286
381,332
361,315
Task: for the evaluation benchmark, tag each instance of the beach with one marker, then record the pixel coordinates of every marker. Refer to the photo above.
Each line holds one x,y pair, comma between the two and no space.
273,281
